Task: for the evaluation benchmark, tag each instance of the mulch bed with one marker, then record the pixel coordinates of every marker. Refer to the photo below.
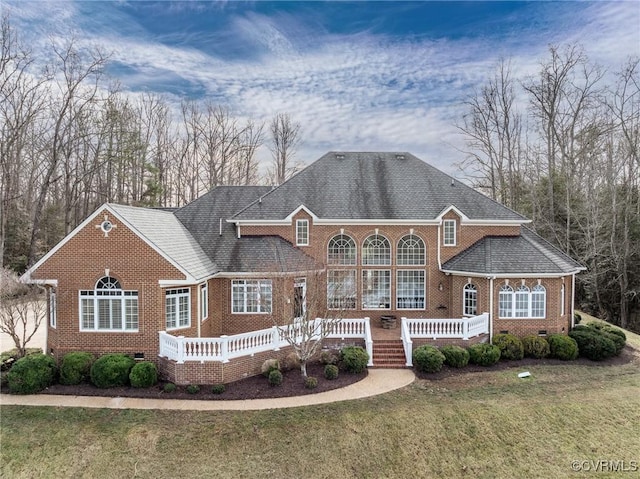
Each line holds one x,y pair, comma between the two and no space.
627,355
256,387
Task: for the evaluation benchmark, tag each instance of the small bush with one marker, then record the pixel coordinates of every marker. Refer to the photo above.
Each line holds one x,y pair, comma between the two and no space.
354,359
169,388
484,354
331,371
143,375
9,358
329,356
275,378
563,347
616,335
193,389
455,356
290,363
535,347
268,366
593,344
217,388
111,370
510,346
428,359
75,368
310,383
31,374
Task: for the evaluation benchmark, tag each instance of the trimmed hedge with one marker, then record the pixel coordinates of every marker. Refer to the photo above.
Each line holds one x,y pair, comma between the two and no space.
143,375
510,346
484,354
75,367
427,359
563,347
331,371
614,334
32,373
535,347
455,356
593,344
354,359
111,370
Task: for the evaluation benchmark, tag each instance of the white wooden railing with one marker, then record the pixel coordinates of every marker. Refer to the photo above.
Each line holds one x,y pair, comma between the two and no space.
463,328
225,348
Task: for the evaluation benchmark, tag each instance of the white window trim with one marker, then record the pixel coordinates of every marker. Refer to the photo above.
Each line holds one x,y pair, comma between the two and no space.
464,299
529,314
175,295
300,239
424,290
399,251
363,293
53,309
353,262
444,232
244,282
367,258
123,296
203,298
563,300
354,272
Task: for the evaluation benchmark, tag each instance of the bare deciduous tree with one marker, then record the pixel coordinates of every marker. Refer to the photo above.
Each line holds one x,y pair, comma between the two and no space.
285,136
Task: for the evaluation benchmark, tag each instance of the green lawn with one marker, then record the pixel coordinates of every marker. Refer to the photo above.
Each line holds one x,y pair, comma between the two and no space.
482,425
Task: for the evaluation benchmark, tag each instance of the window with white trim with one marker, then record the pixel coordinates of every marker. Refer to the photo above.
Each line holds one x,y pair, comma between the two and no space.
563,300
410,289
470,300
341,289
251,296
376,289
411,251
449,232
376,250
53,308
302,232
204,301
341,250
178,308
108,307
523,302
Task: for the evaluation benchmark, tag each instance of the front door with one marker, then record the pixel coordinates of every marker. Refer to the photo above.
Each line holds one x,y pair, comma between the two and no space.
299,297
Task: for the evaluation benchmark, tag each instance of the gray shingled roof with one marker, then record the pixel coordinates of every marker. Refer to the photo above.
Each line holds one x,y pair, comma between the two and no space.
525,254
205,216
162,229
387,186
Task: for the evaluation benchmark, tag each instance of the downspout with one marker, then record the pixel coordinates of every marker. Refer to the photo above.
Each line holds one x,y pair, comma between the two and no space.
439,261
573,299
199,313
491,293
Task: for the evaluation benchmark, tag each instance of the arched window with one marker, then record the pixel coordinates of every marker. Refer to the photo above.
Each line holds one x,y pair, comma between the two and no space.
376,250
470,300
341,250
538,301
411,251
505,302
108,307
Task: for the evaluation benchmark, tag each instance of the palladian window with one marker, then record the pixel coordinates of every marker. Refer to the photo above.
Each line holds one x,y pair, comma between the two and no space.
411,251
341,250
376,250
108,307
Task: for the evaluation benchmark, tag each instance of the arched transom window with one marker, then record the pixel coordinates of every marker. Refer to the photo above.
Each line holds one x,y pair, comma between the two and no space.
376,250
341,250
108,307
411,251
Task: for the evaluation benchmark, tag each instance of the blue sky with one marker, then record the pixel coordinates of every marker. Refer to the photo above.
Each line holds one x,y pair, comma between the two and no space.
355,75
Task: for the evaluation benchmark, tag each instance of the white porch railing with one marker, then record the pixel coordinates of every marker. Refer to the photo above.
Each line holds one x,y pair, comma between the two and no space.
463,328
224,348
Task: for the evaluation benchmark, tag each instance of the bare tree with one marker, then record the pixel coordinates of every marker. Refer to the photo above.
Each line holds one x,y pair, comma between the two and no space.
285,136
22,310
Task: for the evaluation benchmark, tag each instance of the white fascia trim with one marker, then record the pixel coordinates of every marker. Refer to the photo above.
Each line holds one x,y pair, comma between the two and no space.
462,216
494,222
266,274
40,282
376,222
298,210
166,283
507,275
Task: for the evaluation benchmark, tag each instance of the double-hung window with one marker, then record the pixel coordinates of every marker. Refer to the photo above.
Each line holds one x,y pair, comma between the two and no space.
178,308
523,302
410,290
108,307
341,289
251,296
302,232
449,232
376,289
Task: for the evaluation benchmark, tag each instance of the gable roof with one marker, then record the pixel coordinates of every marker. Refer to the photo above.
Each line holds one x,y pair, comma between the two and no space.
205,218
512,255
386,186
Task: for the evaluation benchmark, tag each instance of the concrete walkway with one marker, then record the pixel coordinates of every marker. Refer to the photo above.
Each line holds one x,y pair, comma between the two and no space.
378,381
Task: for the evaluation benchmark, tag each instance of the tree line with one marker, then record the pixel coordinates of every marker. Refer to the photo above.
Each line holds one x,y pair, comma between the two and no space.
562,147
71,140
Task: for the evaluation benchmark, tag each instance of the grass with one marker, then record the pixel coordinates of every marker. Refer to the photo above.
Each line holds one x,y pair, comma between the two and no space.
477,425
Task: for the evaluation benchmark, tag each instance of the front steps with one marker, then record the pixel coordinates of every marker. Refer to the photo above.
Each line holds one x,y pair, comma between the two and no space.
389,354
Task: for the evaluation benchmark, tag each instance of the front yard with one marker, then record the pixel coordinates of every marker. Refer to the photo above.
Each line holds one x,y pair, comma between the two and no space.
477,424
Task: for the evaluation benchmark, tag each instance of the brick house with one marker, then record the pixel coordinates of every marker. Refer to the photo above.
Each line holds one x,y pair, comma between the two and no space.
394,241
